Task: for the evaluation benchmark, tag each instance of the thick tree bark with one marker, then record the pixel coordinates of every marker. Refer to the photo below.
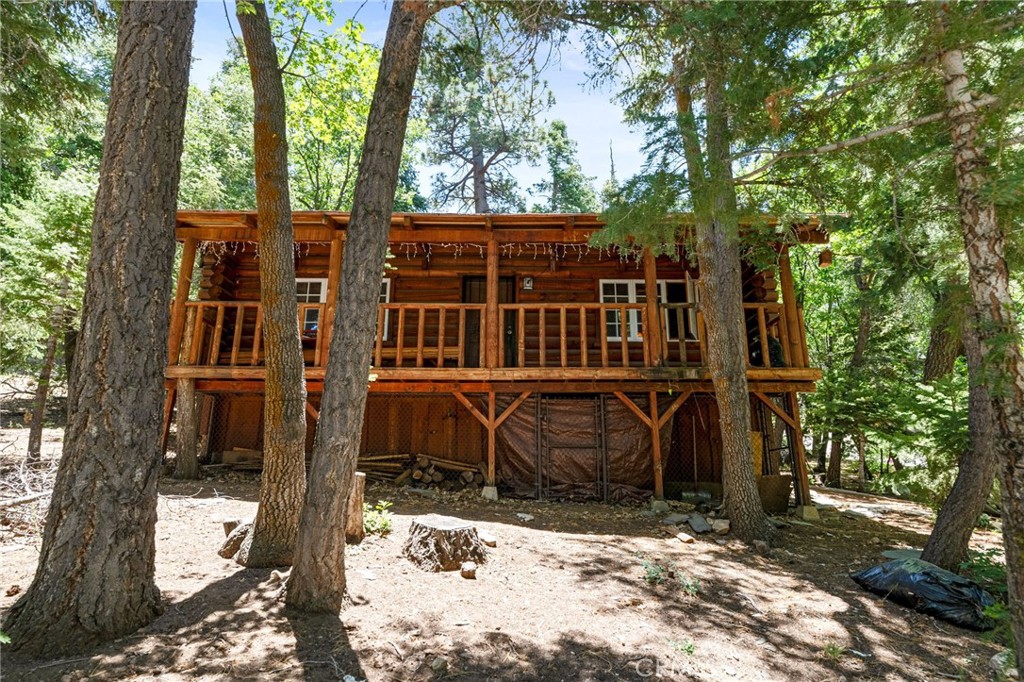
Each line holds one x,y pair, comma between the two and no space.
317,581
945,338
186,460
35,431
998,332
948,544
721,301
94,581
272,539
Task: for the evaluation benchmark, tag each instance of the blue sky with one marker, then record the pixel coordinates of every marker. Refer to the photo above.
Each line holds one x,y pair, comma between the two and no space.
593,120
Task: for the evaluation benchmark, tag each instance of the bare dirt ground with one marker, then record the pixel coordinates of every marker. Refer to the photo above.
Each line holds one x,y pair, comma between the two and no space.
562,597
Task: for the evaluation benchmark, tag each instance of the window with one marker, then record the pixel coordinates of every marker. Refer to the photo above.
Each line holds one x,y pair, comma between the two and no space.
315,291
635,291
310,291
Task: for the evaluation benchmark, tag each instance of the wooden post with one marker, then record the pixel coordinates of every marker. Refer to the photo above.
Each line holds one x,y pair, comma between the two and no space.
491,428
168,412
659,484
188,261
326,325
491,312
653,330
186,464
792,320
802,487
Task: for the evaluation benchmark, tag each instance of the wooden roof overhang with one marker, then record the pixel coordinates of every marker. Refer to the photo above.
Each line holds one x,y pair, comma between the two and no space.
325,226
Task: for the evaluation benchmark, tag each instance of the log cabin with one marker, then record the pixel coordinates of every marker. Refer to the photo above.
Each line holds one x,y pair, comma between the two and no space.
507,342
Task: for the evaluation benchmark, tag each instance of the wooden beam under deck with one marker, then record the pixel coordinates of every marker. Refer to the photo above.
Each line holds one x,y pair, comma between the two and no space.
686,375
316,386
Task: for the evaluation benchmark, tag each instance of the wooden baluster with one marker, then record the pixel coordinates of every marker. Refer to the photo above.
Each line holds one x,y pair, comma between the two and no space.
378,345
762,329
462,337
257,336
802,330
624,334
780,323
400,337
501,337
521,337
485,322
562,336
583,336
197,335
646,345
236,342
321,333
421,323
218,330
680,314
602,332
702,339
440,335
542,327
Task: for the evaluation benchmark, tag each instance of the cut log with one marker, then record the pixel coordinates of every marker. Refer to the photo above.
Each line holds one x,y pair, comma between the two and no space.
234,540
422,461
354,532
437,477
442,543
466,476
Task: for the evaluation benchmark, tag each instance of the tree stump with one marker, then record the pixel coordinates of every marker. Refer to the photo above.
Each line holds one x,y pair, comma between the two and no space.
443,543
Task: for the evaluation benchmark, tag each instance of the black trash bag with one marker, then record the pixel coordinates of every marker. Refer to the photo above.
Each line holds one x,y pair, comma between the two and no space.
926,588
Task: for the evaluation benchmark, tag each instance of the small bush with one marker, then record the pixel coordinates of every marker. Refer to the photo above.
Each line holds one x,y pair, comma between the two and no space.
377,519
654,573
686,646
833,651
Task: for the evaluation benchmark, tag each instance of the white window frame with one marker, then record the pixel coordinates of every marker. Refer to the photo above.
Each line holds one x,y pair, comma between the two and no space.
634,315
322,281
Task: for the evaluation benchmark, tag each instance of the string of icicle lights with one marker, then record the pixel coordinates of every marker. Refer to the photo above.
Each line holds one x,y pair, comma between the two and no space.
410,250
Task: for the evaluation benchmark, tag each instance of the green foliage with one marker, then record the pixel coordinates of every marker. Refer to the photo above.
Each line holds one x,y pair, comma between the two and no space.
568,190
686,646
328,85
654,573
481,96
377,519
833,651
659,573
988,569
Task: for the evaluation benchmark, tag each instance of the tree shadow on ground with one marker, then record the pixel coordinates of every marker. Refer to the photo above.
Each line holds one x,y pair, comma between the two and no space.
233,628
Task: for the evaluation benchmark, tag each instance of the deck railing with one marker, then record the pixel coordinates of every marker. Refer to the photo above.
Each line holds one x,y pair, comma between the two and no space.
456,335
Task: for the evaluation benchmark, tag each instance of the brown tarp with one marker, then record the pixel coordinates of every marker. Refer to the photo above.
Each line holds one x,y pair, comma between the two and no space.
554,449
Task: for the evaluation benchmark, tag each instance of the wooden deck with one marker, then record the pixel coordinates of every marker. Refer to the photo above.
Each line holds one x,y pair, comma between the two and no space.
448,342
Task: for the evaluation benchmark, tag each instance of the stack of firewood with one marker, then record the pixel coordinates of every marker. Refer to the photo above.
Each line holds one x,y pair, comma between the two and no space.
421,471
429,472
383,467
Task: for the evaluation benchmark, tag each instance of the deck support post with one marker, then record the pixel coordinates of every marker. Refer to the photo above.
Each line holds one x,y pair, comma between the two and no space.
792,321
653,333
804,509
168,411
188,261
659,483
491,428
491,312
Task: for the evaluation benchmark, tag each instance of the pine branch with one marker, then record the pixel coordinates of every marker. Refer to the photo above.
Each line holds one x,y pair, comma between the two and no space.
854,141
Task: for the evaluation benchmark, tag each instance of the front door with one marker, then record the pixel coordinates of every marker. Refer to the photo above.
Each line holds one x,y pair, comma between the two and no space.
474,290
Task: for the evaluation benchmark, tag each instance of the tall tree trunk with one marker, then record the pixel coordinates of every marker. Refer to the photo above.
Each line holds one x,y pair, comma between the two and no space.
480,204
271,542
948,544
820,450
186,460
945,338
35,431
721,301
998,332
317,581
94,581
834,473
